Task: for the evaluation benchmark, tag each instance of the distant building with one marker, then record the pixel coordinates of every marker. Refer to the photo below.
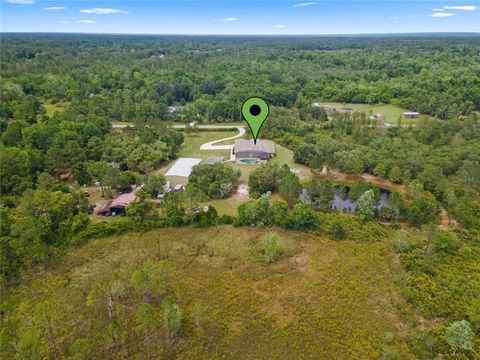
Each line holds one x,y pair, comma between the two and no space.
117,206
325,107
175,110
247,149
411,114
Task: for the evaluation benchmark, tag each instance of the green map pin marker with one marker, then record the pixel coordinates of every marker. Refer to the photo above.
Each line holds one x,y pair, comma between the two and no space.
255,112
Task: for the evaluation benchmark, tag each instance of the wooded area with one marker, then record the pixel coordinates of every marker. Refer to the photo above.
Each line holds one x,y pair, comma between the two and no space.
59,95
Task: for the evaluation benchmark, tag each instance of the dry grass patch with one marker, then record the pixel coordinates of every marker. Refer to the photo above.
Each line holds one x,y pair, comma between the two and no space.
320,299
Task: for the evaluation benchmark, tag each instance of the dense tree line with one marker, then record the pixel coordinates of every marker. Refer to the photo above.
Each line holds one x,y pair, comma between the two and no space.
137,78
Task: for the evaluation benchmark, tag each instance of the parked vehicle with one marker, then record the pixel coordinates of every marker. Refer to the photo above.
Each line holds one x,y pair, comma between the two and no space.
178,187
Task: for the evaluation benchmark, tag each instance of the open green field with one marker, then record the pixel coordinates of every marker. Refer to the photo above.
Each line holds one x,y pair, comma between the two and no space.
321,300
391,113
191,145
53,108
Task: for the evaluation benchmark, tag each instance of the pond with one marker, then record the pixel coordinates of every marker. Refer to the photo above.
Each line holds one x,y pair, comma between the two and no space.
344,203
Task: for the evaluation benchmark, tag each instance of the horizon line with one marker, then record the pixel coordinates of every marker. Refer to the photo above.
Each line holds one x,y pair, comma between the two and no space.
259,34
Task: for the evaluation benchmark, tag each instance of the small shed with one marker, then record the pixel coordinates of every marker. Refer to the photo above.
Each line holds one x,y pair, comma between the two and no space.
411,114
117,206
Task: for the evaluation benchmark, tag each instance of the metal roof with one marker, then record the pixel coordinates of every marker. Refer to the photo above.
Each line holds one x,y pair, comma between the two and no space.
249,145
122,201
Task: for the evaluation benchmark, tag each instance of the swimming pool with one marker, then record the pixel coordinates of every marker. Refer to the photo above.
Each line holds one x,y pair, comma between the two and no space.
247,161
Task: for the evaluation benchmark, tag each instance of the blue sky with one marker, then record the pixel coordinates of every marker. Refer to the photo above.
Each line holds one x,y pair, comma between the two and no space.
239,17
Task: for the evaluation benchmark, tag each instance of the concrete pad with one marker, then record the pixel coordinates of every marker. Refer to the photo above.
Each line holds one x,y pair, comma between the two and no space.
183,167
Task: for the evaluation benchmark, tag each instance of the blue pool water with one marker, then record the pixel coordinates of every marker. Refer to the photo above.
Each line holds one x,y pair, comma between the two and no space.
247,161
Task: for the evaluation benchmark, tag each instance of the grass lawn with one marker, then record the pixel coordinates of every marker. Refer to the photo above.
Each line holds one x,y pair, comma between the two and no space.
53,108
227,206
191,145
390,112
322,299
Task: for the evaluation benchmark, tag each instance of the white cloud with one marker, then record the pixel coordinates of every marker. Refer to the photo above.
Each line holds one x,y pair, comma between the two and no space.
64,22
279,26
440,14
438,9
87,21
21,2
305,4
53,8
229,19
103,11
393,17
466,8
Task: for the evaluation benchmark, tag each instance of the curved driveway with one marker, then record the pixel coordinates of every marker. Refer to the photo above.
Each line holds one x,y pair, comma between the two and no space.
209,145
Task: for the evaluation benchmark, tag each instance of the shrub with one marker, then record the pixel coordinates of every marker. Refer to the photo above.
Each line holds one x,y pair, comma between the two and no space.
321,193
366,206
423,345
205,219
338,229
395,174
252,212
172,318
142,209
473,313
459,336
290,188
173,210
359,188
304,153
387,214
446,241
271,247
278,213
153,184
303,217
401,242
465,252
226,219
423,210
